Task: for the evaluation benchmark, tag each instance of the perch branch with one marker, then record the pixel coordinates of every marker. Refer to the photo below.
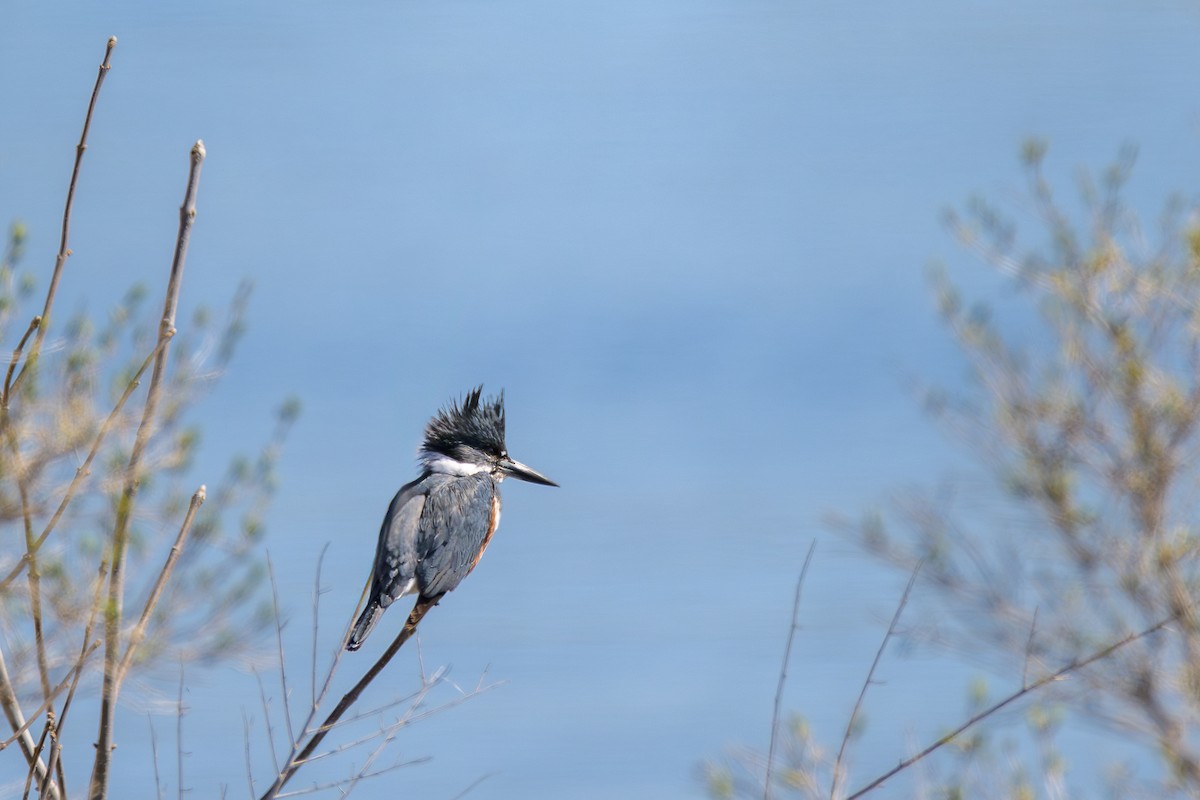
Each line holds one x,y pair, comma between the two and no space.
295,761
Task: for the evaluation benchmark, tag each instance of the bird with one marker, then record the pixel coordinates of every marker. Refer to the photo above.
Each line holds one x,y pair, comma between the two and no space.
437,527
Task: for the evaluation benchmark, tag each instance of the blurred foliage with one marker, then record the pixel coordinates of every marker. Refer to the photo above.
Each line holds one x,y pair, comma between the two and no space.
214,605
1077,523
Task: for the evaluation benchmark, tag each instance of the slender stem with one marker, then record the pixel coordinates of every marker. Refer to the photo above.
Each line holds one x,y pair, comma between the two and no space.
283,679
34,575
179,736
837,764
1029,648
787,657
34,324
333,666
116,579
1074,666
12,710
37,752
316,626
249,766
158,789
56,746
160,583
270,729
410,627
64,249
346,785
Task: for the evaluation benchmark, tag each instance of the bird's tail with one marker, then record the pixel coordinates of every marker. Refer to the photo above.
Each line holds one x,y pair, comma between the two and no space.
366,622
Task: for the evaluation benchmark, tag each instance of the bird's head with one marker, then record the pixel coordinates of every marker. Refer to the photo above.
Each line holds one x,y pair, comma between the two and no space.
467,437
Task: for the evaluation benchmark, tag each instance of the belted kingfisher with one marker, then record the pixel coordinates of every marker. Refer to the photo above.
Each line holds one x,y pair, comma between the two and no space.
438,526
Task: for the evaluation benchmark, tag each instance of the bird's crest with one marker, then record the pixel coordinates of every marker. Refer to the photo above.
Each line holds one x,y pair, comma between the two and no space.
476,422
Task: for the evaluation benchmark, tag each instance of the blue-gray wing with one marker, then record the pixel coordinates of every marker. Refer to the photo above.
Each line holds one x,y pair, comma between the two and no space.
455,527
396,554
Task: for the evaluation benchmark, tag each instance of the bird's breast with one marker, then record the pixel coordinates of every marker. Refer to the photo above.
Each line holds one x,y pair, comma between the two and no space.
493,523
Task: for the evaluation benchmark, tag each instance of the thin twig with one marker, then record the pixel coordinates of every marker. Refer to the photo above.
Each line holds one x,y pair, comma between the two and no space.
418,613
139,631
85,647
837,764
12,710
52,729
414,718
249,768
316,626
408,698
389,736
64,248
1074,666
340,651
34,324
29,775
410,717
472,786
787,657
270,729
54,761
1029,649
337,784
283,680
158,788
179,736
34,575
116,579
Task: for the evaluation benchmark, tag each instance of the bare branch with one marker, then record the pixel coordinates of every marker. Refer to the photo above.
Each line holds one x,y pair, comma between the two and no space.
837,764
116,580
270,729
34,576
139,632
411,716
333,665
158,788
342,783
249,767
34,324
1074,666
55,761
64,248
472,786
283,680
423,606
179,710
1029,649
787,657
12,710
37,753
316,625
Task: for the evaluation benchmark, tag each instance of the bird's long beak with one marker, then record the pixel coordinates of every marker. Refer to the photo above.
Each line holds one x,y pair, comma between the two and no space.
518,470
